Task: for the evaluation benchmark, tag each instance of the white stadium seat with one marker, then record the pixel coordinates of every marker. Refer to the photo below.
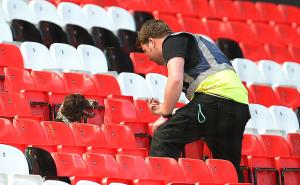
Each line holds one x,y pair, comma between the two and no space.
17,9
121,19
5,33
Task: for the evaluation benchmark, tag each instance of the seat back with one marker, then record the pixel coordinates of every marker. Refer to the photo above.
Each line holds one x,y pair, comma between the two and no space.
17,80
17,9
133,85
157,85
293,140
93,58
121,19
14,104
275,145
106,84
8,133
49,81
223,171
33,52
119,135
251,145
6,34
292,71
80,83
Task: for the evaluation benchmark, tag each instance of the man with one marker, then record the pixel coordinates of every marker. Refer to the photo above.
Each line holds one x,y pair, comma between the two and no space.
218,110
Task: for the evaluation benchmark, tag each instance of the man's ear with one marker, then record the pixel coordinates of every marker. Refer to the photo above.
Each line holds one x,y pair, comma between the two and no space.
151,43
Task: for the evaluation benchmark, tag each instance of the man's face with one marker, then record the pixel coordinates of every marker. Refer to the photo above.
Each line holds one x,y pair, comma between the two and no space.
153,51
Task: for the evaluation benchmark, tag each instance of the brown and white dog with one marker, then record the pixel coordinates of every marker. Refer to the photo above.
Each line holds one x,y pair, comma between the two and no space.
76,108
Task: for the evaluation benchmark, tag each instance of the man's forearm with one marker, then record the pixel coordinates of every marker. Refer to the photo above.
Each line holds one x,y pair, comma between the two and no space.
172,94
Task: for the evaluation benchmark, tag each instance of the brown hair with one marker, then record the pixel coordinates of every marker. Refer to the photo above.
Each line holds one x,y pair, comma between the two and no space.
152,29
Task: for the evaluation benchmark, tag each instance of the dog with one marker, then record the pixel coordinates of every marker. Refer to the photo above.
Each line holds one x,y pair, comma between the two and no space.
76,108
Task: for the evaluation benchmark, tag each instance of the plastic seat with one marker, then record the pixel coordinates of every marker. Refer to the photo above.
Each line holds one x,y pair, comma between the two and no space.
285,118
230,48
171,20
93,58
69,164
217,168
8,134
85,182
75,24
193,25
121,19
293,140
217,29
287,34
49,22
190,167
6,34
88,135
247,10
127,40
106,84
112,151
101,165
275,145
289,168
291,70
241,31
272,73
30,132
200,8
22,20
269,11
141,152
13,104
264,33
248,71
166,169
133,167
294,51
254,51
278,53
49,81
13,161
80,83
118,60
3,179
140,17
95,13
157,84
290,13
66,57
119,135
144,113
224,10
251,145
32,53
58,133
20,80
26,179
262,94
88,180
194,150
133,85
262,120
143,65
288,96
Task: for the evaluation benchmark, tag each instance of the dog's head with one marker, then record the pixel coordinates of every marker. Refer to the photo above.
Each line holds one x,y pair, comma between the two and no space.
76,108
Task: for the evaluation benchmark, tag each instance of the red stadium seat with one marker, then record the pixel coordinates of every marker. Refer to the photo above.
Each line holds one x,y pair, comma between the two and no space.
118,110
171,20
222,171
49,81
106,84
75,179
142,152
224,9
191,169
58,133
101,165
30,132
148,182
143,65
269,11
88,135
290,13
17,80
278,53
217,29
194,150
289,168
241,31
254,51
265,33
263,95
68,164
103,150
295,52
274,145
293,140
288,96
183,7
193,25
201,8
247,10
80,83
8,133
287,34
166,169
133,167
144,113
119,135
71,149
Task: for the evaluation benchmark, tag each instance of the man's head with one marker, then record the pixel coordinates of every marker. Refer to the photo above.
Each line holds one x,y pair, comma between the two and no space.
75,108
150,38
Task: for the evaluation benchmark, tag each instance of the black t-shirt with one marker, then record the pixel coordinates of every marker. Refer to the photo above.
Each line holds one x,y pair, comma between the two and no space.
181,46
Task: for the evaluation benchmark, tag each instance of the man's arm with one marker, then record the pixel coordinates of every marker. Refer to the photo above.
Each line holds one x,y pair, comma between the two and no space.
173,87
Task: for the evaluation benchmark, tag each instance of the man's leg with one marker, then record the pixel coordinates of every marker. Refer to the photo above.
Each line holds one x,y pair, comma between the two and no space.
226,141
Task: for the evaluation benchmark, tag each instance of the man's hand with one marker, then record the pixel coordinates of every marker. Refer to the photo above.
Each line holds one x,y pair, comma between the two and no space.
160,121
154,106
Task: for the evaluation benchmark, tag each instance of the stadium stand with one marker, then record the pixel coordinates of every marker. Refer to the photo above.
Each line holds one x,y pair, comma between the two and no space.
50,49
